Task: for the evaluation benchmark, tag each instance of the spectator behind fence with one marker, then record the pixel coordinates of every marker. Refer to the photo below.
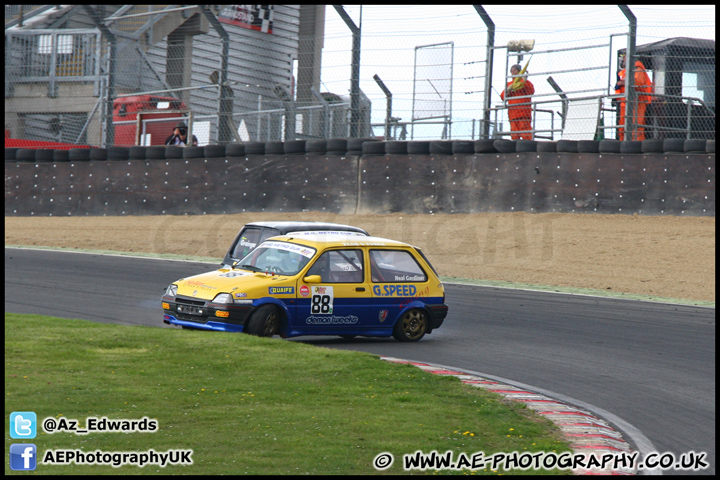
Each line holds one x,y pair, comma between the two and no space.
519,109
179,136
643,86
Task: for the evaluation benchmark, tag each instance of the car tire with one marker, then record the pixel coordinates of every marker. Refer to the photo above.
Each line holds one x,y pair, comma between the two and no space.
274,148
79,154
118,153
412,326
213,151
137,153
61,156
396,147
264,322
567,146
505,146
173,152
193,152
485,145
674,145
235,150
255,148
373,148
547,147
100,154
526,146
156,152
588,146
294,147
316,146
631,146
337,145
463,146
419,147
441,147
695,145
11,154
609,146
44,155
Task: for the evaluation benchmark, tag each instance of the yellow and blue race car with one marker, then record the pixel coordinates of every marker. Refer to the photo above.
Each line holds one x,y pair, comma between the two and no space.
315,284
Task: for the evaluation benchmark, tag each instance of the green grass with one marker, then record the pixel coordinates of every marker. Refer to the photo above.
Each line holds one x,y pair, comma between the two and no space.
247,405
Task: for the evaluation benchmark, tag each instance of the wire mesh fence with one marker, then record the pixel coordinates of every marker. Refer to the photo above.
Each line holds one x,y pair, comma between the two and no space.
127,75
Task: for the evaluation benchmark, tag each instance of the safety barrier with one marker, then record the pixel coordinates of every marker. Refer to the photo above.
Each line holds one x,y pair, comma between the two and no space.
671,176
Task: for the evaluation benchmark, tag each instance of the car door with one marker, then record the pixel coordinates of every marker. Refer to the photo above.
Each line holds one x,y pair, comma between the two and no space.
397,279
338,301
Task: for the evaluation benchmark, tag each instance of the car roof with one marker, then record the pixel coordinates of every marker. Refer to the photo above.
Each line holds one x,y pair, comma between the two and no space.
292,226
338,239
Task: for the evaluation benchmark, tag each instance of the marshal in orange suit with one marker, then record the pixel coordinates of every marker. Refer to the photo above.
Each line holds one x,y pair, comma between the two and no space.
643,86
519,109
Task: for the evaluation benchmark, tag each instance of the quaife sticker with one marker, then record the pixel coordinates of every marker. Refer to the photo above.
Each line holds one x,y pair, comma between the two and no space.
322,300
282,290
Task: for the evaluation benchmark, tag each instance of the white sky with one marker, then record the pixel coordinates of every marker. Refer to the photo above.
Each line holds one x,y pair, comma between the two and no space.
390,34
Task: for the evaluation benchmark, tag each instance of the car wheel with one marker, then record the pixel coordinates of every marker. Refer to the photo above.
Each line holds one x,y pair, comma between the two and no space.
264,322
412,326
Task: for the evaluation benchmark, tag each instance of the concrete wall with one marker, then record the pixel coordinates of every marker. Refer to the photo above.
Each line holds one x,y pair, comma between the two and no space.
650,184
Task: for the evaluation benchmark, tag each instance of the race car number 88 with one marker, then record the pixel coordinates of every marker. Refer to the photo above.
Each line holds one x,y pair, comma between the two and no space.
322,300
321,304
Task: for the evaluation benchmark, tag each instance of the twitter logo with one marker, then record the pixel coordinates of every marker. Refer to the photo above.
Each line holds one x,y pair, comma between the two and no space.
23,425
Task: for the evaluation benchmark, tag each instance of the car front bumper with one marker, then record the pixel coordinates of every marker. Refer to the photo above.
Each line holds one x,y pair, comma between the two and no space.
186,312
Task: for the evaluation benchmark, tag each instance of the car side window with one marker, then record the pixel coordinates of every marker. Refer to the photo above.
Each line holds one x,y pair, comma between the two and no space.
249,239
390,266
339,266
252,237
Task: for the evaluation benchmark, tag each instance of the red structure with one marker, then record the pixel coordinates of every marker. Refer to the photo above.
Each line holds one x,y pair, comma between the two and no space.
152,107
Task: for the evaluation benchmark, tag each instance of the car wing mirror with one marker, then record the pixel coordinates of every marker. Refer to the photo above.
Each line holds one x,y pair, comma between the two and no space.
313,279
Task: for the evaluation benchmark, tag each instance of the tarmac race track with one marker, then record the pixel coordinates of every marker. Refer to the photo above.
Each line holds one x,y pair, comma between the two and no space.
652,366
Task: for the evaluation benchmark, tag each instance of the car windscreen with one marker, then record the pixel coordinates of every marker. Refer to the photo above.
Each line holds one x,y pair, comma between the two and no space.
282,258
250,238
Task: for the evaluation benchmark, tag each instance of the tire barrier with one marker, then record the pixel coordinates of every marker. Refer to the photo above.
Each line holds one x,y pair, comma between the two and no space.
11,154
505,146
441,147
61,156
418,147
463,146
673,145
43,155
294,147
609,146
118,153
315,146
155,152
631,146
485,146
137,153
274,148
396,147
588,146
373,148
547,147
621,178
213,151
98,154
567,146
79,154
526,146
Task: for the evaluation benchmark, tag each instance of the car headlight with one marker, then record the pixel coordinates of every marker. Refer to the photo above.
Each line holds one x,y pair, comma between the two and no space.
223,298
171,291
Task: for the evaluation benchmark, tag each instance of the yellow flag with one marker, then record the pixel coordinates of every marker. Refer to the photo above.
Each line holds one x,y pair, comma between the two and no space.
517,82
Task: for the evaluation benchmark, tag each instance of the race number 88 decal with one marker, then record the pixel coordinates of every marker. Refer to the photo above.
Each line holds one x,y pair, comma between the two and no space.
322,300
